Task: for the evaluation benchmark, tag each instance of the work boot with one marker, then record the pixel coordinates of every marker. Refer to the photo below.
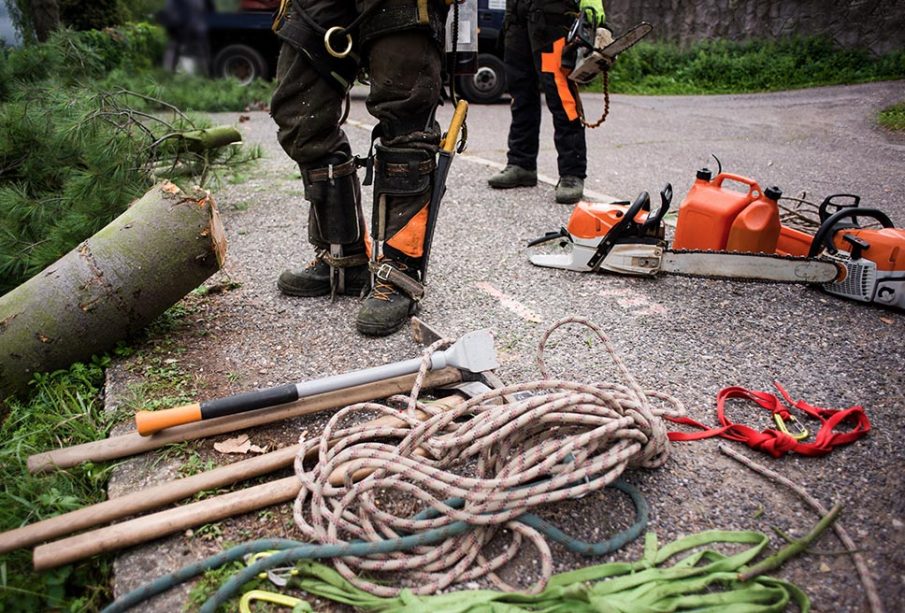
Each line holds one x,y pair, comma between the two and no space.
387,308
314,280
513,176
569,190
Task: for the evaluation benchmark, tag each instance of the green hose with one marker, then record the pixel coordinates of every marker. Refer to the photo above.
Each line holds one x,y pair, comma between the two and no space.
290,552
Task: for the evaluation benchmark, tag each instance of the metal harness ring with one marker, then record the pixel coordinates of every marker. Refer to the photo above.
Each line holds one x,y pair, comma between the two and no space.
329,47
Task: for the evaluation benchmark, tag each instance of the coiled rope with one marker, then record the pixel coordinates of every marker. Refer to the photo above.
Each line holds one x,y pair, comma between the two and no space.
563,441
472,479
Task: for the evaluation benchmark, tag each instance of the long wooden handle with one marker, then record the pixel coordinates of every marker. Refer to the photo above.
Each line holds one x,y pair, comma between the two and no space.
133,443
455,125
156,525
146,499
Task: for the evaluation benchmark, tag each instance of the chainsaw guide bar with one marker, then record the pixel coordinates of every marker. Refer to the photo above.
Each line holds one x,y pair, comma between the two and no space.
752,267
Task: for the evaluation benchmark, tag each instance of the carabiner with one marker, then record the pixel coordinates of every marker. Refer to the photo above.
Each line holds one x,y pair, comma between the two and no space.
800,433
280,599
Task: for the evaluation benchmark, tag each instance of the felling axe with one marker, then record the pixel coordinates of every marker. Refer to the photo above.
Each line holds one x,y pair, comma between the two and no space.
474,352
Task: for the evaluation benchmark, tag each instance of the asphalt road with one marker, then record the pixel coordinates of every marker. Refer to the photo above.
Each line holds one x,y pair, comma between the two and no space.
688,337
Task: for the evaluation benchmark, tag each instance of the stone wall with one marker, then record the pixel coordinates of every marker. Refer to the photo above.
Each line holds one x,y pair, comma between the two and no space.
878,25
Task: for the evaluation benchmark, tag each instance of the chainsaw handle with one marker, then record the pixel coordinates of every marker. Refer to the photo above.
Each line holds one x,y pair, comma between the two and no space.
751,183
654,219
824,236
823,214
625,223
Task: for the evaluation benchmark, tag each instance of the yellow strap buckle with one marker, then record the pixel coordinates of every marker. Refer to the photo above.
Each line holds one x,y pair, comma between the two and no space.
800,432
272,597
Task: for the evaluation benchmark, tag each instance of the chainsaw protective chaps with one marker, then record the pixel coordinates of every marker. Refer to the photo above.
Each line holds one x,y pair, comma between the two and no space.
402,186
335,216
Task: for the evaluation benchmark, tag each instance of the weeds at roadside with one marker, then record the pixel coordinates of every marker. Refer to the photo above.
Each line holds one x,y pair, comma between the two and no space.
893,117
723,67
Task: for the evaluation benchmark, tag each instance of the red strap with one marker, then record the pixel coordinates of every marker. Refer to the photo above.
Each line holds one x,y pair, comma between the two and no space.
773,441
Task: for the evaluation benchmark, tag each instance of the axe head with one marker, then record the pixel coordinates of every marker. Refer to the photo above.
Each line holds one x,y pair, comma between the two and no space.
473,352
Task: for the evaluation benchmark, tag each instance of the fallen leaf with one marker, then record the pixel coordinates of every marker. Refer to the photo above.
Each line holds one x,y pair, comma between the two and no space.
886,320
239,444
824,568
243,118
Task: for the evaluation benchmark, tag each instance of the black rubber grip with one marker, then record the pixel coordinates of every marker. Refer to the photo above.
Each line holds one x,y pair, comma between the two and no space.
249,401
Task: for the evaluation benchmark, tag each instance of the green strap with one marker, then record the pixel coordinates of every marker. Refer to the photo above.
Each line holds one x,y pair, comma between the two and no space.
704,580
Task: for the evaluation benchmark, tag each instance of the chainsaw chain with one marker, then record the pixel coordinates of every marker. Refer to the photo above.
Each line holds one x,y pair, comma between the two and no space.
606,103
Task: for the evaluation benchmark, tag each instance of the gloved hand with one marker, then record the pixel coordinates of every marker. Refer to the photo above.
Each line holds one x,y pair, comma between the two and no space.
586,6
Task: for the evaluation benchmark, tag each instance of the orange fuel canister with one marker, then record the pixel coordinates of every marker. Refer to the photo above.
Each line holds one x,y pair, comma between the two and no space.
708,211
756,228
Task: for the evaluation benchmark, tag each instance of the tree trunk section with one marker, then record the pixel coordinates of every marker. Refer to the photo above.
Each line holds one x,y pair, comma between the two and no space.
45,16
111,286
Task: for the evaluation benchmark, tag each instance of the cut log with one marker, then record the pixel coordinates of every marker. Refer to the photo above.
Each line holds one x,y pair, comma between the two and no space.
111,286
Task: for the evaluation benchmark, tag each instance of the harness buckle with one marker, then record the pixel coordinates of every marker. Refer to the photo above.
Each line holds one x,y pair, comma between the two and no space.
800,432
383,272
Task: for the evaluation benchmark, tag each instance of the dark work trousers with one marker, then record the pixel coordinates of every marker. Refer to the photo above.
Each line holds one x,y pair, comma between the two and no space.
533,51
405,74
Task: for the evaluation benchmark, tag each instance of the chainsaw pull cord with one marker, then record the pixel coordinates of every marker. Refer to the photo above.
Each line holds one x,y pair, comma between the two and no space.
778,442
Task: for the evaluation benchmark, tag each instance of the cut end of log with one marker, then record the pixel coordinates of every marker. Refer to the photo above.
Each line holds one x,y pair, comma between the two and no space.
218,234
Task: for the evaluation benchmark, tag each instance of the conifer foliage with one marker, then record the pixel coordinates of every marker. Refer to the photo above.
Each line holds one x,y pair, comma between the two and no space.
73,157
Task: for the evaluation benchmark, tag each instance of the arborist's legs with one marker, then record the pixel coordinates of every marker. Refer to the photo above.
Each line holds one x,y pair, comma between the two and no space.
405,90
405,57
335,221
534,60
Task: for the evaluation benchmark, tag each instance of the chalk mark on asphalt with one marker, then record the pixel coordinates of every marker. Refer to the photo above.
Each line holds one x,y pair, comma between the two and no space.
509,302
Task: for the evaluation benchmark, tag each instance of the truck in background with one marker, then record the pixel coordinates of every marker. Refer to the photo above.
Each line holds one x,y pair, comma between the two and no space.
244,47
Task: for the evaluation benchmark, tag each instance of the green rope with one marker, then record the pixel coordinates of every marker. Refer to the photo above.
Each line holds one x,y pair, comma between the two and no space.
704,580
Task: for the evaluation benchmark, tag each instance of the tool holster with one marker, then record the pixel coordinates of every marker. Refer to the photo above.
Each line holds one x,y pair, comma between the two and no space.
403,178
335,219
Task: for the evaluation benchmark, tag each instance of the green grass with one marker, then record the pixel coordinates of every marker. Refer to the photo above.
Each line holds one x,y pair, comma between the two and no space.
64,409
722,67
893,117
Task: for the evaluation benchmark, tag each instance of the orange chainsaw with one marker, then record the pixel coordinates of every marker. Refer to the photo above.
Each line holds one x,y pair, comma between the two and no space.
726,234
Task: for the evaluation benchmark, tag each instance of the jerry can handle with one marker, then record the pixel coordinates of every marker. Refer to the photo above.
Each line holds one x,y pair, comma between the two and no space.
718,181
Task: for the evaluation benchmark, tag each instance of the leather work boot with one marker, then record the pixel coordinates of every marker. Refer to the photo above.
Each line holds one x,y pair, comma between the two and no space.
386,309
513,176
314,280
569,190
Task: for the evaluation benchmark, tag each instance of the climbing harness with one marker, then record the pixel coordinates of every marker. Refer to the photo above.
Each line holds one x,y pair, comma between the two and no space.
779,441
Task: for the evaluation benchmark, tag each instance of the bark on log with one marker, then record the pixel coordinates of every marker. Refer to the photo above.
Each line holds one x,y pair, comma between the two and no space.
110,286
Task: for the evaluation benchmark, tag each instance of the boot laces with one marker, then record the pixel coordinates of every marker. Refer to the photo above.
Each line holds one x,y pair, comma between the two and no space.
383,290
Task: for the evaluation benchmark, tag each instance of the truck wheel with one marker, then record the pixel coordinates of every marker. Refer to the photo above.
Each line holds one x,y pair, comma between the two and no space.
488,84
240,62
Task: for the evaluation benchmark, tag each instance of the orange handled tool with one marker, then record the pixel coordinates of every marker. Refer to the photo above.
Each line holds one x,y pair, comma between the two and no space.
474,352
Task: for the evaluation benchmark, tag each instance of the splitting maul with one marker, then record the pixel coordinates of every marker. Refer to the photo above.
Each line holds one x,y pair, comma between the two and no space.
864,264
473,352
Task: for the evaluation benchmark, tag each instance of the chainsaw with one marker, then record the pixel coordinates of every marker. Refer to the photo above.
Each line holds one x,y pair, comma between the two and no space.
864,264
595,48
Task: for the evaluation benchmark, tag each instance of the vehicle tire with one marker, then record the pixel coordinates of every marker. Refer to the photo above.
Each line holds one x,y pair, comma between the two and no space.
488,84
240,62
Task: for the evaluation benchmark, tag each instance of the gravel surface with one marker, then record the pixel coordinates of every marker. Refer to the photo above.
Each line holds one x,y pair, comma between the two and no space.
689,337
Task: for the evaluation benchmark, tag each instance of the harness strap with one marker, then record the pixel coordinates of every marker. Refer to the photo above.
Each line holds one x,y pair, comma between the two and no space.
771,440
404,283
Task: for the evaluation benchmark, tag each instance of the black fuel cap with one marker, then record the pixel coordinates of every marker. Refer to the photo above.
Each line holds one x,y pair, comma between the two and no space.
773,193
705,174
